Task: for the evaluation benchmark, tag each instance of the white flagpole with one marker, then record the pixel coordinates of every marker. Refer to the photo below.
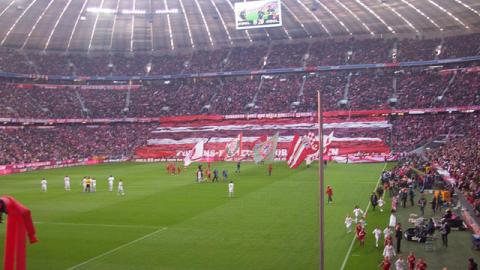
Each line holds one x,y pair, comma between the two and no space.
321,182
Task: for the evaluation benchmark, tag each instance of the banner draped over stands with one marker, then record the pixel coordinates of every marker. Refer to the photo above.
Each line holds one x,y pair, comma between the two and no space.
74,86
175,139
214,118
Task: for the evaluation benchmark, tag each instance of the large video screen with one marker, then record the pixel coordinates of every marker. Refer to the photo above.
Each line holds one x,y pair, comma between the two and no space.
258,14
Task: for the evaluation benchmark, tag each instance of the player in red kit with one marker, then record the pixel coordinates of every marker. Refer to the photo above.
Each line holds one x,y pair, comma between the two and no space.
329,194
208,173
386,264
270,167
358,228
411,261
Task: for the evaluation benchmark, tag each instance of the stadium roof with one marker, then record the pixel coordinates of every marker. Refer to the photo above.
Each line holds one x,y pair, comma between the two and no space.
151,25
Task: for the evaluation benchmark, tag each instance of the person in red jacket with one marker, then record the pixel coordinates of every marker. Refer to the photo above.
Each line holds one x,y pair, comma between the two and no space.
361,236
19,225
421,265
386,264
330,194
411,261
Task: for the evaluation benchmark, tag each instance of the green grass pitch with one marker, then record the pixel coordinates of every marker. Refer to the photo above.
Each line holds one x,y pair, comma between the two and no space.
171,222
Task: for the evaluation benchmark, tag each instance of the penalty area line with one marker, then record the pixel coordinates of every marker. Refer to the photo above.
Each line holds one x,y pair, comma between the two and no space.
353,240
117,248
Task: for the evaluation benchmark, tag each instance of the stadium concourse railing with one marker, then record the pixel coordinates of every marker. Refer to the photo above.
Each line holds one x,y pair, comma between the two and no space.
12,75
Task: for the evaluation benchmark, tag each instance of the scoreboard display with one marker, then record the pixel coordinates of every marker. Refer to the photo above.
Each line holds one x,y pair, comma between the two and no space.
258,14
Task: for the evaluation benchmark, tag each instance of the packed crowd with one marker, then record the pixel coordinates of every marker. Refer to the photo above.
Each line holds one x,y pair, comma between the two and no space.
366,90
32,144
356,90
324,52
412,131
460,155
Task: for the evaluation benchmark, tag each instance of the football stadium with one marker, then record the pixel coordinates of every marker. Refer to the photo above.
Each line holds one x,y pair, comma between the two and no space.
240,134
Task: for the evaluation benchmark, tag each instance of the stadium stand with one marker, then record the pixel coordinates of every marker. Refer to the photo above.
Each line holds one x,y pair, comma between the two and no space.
301,53
396,88
26,144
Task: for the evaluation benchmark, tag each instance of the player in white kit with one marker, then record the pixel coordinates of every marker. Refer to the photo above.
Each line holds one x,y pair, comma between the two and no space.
111,179
381,202
94,185
378,234
84,184
120,188
230,189
348,223
357,212
44,185
66,181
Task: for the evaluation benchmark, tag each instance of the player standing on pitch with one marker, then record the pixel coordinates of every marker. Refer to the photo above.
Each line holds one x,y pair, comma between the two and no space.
199,174
357,212
215,175
88,184
120,188
330,194
84,184
44,185
348,223
66,181
94,185
111,179
238,167
230,189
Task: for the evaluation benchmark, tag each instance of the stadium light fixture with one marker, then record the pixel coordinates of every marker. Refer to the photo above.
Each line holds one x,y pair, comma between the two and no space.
133,11
449,14
148,67
356,17
423,14
166,11
100,10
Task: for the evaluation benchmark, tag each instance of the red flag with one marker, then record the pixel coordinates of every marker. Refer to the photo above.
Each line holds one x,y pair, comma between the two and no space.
302,148
292,146
315,155
19,225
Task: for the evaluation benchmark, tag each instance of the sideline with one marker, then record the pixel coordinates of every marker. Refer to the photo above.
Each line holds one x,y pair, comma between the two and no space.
366,211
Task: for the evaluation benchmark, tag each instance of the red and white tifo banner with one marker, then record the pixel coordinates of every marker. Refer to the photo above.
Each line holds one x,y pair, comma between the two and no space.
209,120
75,86
175,140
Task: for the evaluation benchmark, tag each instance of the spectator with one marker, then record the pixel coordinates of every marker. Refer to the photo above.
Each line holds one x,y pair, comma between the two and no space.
472,265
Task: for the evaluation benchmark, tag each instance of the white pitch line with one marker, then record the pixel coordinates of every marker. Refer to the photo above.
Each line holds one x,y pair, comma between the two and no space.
96,225
353,240
118,248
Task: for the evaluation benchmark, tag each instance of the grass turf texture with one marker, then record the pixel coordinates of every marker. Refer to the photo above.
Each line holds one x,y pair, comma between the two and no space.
170,222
